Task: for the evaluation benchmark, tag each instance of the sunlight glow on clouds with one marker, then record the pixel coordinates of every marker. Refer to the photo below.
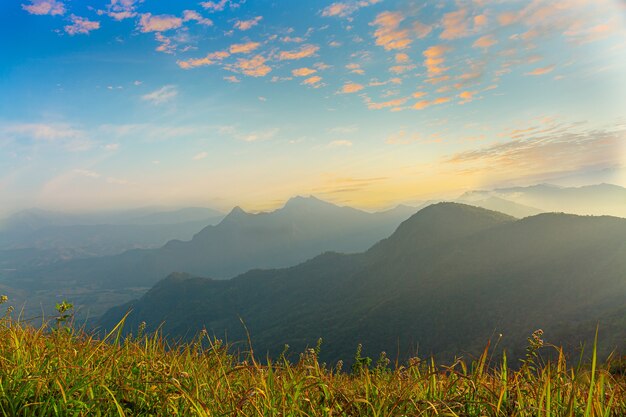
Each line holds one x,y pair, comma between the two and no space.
257,89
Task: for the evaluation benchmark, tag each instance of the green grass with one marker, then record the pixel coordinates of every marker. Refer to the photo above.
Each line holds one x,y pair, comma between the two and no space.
56,371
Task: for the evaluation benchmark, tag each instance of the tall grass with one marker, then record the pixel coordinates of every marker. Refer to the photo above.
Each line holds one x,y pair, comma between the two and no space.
59,371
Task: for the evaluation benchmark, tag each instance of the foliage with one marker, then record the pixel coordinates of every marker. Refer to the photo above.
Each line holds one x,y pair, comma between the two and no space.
52,373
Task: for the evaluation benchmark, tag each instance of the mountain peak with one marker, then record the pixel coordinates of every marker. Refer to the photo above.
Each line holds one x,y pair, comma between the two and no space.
304,201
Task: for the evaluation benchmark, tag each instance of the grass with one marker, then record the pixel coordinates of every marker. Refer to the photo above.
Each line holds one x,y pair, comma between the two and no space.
59,371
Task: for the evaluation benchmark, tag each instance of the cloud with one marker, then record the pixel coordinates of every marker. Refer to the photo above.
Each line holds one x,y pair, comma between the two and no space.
121,9
391,103
467,96
253,67
401,69
81,25
485,42
247,24
421,30
434,59
427,103
402,138
63,134
45,7
232,79
388,34
200,156
401,58
312,80
455,24
566,147
159,23
191,15
162,95
345,9
215,6
304,52
355,68
209,59
349,88
243,48
303,72
339,143
541,71
111,147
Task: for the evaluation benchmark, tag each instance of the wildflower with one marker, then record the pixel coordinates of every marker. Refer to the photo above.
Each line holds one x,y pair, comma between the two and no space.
3,299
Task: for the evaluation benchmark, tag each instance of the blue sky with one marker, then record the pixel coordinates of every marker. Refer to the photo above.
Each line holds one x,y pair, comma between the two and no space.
123,103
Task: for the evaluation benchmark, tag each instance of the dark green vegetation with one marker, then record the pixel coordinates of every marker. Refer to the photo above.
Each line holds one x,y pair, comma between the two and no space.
63,372
302,229
449,279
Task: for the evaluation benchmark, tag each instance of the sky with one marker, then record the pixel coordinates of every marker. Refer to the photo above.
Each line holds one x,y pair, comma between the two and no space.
368,103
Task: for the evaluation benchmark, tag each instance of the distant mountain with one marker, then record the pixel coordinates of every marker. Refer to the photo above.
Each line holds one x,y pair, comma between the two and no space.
600,199
501,205
447,280
97,234
302,229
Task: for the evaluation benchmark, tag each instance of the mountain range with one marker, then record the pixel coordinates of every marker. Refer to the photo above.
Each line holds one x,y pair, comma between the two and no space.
302,229
450,278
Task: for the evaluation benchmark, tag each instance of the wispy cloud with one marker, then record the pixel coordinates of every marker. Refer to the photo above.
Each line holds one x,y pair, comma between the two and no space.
65,135
346,8
247,24
303,52
199,156
303,72
542,71
191,15
209,59
244,48
159,23
43,7
339,143
351,88
485,42
162,95
81,25
388,34
253,67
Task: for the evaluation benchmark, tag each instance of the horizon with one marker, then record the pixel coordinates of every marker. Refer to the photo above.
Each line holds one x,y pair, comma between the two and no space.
118,105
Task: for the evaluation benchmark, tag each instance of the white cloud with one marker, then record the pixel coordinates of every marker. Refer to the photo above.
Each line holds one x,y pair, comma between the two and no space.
81,25
43,7
162,95
200,156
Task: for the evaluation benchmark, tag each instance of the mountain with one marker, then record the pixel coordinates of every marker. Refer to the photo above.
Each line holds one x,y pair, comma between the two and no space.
98,234
447,280
599,199
501,205
302,229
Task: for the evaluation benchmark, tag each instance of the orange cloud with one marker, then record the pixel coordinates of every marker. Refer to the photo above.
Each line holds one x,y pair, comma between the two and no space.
303,72
312,80
541,71
421,30
388,34
209,59
441,100
507,18
244,48
253,67
391,103
351,88
480,20
434,59
344,9
402,58
400,69
455,25
304,52
419,94
421,104
159,23
485,42
467,96
247,24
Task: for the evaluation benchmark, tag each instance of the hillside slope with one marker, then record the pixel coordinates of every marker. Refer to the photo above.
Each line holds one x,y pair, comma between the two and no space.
448,279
